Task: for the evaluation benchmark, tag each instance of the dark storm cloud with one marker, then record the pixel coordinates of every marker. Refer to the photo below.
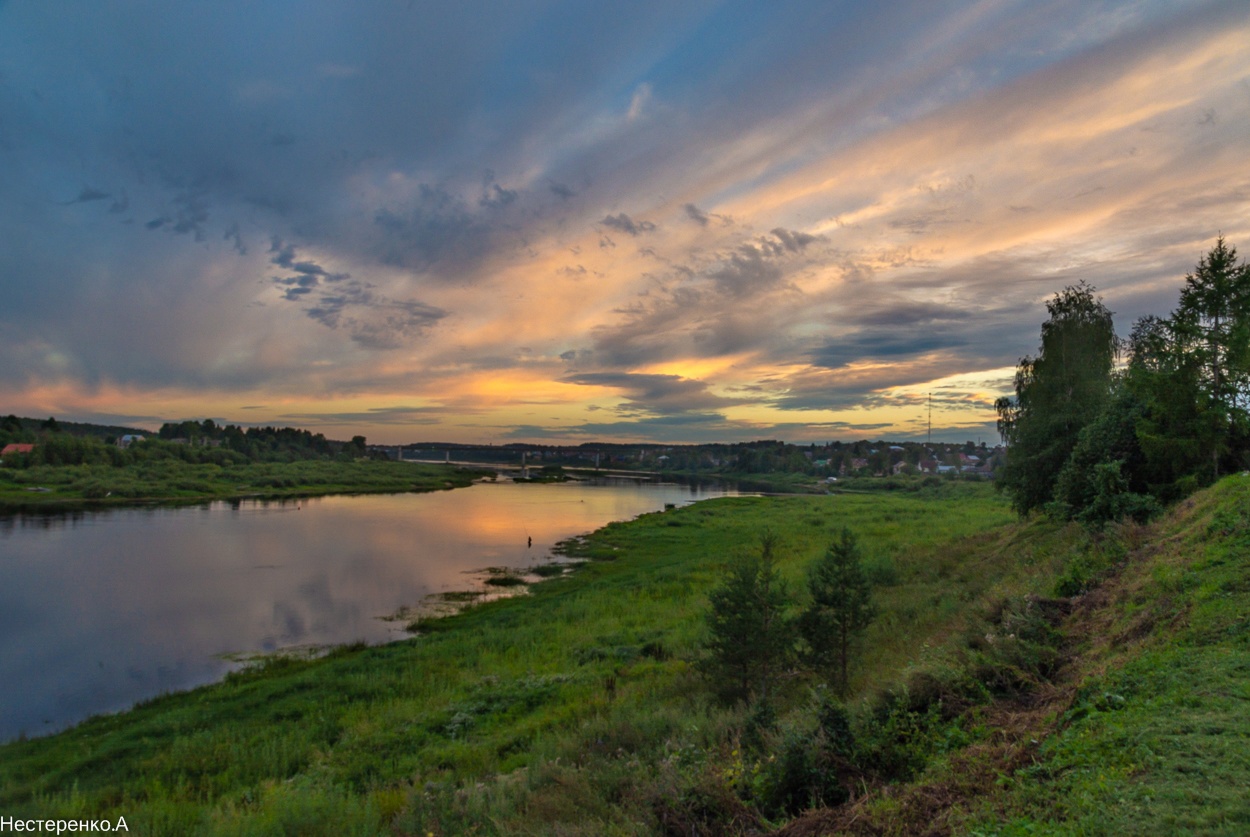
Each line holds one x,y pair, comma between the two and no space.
656,395
747,271
377,415
889,329
844,389
307,274
897,314
281,136
737,302
437,230
708,427
793,240
759,265
882,346
87,195
625,224
370,318
695,214
860,368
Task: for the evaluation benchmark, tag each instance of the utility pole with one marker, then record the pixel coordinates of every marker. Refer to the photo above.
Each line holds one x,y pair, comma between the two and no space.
929,440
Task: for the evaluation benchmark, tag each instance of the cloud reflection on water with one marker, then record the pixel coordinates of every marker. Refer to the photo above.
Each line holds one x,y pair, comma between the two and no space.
101,610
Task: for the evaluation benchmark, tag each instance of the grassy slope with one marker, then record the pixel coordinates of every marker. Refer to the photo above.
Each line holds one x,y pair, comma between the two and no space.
1156,736
576,709
1142,730
170,480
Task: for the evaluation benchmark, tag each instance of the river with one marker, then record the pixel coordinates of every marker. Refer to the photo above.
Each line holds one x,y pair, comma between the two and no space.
100,610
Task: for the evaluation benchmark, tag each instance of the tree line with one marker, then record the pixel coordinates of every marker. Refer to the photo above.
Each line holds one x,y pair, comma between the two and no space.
1102,428
195,442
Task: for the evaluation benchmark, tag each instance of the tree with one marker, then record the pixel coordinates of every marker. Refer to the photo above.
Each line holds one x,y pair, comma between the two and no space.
1058,392
748,637
1104,478
840,610
1175,431
1191,374
1213,320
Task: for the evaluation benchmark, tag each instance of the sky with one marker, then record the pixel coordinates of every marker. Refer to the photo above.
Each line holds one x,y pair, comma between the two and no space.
563,222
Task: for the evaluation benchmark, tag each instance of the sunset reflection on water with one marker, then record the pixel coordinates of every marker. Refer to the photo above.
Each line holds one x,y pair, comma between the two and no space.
100,610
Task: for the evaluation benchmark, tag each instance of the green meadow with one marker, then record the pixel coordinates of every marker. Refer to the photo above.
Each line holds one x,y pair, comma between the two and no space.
1020,677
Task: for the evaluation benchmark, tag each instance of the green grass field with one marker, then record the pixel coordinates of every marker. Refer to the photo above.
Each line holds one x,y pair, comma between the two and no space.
579,709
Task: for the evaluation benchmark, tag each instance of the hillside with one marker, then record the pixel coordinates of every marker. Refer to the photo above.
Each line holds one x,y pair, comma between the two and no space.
1141,729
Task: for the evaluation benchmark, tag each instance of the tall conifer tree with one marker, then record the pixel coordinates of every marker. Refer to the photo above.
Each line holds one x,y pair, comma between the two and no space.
1213,321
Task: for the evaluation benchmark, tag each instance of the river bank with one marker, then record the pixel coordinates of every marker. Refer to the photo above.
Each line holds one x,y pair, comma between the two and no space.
173,482
1004,687
163,597
589,662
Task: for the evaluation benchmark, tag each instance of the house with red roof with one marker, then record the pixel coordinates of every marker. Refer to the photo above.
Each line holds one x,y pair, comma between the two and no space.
16,447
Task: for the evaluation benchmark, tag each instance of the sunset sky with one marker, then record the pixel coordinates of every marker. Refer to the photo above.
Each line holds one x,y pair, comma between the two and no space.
564,221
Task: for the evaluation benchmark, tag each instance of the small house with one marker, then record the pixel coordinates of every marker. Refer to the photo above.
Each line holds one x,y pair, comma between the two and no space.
16,447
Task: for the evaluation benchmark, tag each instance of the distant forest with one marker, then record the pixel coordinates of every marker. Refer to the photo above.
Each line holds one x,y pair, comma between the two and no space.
1102,428
196,442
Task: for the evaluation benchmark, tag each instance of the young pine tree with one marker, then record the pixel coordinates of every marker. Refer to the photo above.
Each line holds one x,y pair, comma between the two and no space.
841,608
749,634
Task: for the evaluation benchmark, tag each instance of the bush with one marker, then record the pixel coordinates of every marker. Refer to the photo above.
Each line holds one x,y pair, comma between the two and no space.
881,570
1018,648
896,742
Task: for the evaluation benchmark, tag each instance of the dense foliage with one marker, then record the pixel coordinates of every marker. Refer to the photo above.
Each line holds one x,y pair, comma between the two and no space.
192,442
72,464
1094,444
1058,393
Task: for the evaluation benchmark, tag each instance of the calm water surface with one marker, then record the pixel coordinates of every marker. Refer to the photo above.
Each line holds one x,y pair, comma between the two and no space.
103,609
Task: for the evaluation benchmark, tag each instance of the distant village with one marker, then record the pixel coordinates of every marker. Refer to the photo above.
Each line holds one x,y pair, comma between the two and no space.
830,461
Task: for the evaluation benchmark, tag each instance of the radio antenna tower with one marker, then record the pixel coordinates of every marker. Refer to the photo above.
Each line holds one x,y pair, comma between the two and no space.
929,440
